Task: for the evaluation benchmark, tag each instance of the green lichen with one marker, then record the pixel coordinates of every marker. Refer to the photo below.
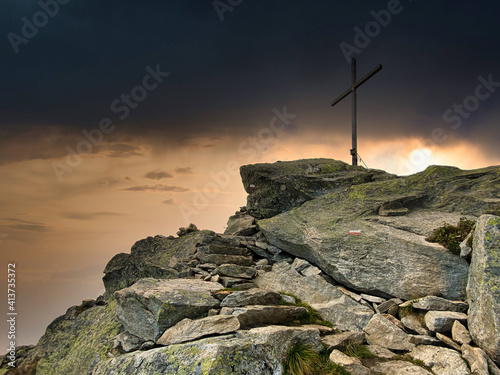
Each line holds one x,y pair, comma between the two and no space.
451,236
74,346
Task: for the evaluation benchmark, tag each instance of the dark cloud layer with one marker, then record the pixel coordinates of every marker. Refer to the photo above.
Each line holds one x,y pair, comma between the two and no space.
157,188
158,175
227,76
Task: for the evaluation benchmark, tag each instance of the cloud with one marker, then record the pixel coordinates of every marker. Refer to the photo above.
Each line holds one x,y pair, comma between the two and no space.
122,150
31,226
157,188
158,175
114,182
90,215
185,170
169,201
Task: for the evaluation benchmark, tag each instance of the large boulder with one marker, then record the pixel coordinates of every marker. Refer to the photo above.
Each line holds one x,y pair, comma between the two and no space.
259,351
331,303
442,361
483,289
345,234
150,306
279,187
381,331
157,257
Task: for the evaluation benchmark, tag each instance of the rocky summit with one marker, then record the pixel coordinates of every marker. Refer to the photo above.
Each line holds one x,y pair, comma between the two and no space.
335,268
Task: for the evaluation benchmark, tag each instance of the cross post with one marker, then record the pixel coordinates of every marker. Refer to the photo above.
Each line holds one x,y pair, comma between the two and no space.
352,90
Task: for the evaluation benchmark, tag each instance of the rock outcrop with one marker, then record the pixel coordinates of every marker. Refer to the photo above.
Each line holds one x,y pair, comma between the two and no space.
327,258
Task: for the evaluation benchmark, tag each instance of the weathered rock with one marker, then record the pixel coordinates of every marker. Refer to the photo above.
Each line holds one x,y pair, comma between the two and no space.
381,352
311,271
190,330
483,289
351,364
460,334
437,304
465,249
186,230
388,305
279,187
258,315
251,297
448,341
400,368
319,232
220,259
442,321
127,343
381,331
328,300
259,351
413,323
424,340
342,340
71,345
234,270
442,361
151,257
477,359
241,224
372,299
150,306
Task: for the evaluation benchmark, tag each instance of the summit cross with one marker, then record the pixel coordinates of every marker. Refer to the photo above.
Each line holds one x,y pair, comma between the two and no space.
352,90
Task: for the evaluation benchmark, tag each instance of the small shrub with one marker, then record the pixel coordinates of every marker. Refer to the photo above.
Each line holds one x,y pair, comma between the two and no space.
405,310
451,236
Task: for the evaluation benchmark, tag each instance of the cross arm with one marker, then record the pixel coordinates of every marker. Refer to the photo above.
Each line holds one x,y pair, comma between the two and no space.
359,83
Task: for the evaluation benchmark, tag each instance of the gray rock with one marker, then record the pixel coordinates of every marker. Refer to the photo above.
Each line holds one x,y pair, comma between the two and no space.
259,351
310,271
342,340
300,264
442,361
150,306
424,340
288,299
279,187
333,305
233,270
442,321
387,305
252,297
448,341
190,330
127,342
400,368
381,331
220,259
483,289
413,323
437,304
350,364
185,230
372,299
477,359
241,224
460,334
258,315
319,232
465,249
381,352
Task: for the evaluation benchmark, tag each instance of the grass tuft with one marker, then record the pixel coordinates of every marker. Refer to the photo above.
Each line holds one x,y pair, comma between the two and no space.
304,360
451,236
357,351
311,316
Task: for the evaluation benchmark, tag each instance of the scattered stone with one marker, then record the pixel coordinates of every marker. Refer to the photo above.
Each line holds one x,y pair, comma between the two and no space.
465,249
288,299
446,340
437,304
127,342
483,289
251,316
413,323
350,364
241,224
381,331
372,299
400,368
310,271
424,340
381,352
262,262
442,321
233,270
341,340
300,264
190,330
261,245
477,359
386,306
150,306
460,334
394,321
185,230
251,297
215,278
244,286
220,259
442,361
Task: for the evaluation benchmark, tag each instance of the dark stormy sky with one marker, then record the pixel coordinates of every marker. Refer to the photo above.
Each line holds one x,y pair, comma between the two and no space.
100,147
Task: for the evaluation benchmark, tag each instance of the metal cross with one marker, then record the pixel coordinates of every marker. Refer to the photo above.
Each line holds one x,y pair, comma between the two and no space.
352,90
